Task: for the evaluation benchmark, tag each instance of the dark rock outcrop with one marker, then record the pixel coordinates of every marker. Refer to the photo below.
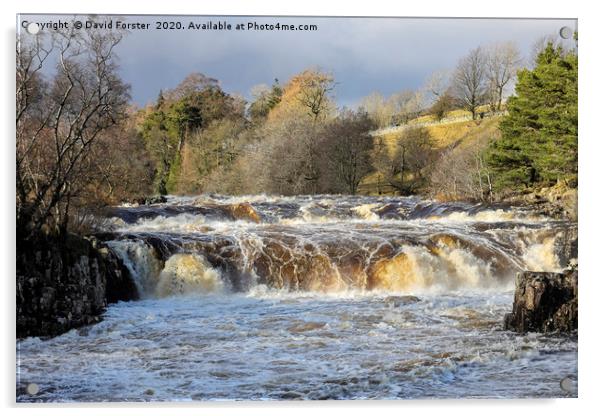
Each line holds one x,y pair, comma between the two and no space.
544,302
150,200
67,284
566,246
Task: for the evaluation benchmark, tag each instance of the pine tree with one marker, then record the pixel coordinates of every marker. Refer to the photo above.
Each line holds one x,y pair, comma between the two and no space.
539,136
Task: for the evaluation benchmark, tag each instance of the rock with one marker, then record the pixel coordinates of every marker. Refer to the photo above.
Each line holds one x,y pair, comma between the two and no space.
67,283
566,247
559,201
243,211
120,285
150,200
388,211
544,302
397,301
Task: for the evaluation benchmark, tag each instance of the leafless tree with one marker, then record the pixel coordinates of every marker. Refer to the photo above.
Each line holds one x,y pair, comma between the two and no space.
314,94
405,165
346,146
445,102
470,80
192,83
503,61
436,85
460,172
59,119
380,109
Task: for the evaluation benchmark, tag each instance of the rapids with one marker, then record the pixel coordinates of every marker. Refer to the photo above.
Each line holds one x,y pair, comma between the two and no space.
328,244
267,297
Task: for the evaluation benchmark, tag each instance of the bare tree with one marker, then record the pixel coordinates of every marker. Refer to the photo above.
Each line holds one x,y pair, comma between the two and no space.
503,60
461,173
436,85
405,165
470,80
59,120
346,145
380,109
444,103
192,83
396,109
314,94
406,105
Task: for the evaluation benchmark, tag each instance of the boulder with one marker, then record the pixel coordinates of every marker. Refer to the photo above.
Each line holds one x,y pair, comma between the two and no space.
243,211
544,302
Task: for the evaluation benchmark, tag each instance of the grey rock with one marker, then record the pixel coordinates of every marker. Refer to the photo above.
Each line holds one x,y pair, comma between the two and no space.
544,302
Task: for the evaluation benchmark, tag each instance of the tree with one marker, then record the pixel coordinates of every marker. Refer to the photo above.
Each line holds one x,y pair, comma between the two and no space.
59,120
469,80
265,99
461,173
540,45
212,148
397,109
295,122
194,105
437,85
380,110
346,145
314,92
405,166
192,83
503,60
539,136
161,144
445,102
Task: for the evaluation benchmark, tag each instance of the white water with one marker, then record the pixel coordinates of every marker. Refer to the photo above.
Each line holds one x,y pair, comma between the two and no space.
298,306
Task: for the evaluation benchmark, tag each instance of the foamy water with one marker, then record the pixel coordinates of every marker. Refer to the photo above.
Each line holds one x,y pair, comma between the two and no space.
309,298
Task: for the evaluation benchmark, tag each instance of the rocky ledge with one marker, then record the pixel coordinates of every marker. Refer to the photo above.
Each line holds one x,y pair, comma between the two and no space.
544,302
67,284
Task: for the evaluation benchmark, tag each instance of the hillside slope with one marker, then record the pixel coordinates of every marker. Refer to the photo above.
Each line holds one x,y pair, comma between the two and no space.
453,136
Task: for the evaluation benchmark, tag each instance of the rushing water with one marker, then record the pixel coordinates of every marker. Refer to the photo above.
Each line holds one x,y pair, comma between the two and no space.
311,298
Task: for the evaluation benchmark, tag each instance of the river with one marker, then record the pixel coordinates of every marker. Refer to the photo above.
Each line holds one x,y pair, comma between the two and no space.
312,297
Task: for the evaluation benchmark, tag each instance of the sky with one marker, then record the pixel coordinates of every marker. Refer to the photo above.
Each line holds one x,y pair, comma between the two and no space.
363,54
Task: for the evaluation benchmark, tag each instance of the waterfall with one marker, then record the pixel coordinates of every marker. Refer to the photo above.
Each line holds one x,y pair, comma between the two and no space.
329,244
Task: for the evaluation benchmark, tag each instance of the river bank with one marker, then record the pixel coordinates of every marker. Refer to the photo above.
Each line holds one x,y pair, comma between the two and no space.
67,283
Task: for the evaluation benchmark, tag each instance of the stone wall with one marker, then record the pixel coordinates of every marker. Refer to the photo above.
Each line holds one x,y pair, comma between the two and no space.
67,284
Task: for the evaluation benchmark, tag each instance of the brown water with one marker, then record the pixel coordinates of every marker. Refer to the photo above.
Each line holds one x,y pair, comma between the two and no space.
303,298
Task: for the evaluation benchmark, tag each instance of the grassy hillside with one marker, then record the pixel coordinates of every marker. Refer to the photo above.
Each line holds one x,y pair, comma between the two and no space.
456,135
457,113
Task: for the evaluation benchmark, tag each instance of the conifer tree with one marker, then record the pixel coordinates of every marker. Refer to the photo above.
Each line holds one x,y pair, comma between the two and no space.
539,136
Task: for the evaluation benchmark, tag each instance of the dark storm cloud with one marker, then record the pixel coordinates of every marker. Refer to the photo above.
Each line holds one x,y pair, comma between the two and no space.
364,54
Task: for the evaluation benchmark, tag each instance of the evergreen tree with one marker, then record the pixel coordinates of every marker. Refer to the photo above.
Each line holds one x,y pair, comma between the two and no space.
539,135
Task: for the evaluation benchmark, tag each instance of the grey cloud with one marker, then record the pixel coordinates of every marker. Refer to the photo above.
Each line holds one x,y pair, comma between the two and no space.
364,54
